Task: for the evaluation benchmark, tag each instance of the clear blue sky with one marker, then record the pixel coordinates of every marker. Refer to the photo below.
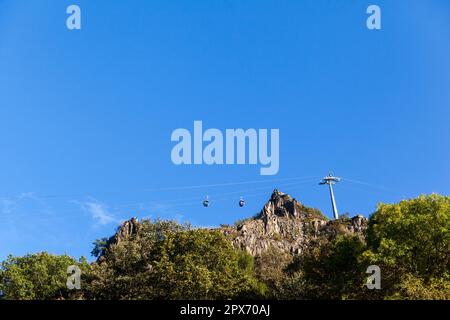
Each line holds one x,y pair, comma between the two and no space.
86,116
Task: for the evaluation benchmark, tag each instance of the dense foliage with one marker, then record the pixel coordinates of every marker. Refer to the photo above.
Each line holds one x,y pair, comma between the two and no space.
38,276
165,260
409,241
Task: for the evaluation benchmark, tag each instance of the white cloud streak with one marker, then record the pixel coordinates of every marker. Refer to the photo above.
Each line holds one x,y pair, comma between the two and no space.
99,212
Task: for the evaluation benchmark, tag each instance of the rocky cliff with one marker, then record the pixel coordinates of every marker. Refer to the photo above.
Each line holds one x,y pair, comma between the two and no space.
288,226
283,224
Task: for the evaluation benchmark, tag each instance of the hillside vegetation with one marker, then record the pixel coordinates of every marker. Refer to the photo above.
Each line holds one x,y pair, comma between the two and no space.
286,252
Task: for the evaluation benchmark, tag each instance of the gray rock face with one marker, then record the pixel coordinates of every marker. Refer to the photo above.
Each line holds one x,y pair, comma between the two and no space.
127,228
283,224
286,225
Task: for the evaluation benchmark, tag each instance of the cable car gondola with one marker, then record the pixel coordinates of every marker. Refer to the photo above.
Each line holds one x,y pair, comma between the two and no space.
241,202
206,202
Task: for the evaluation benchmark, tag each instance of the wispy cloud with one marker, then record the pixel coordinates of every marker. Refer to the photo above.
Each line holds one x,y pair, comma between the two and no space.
26,205
7,206
99,211
27,202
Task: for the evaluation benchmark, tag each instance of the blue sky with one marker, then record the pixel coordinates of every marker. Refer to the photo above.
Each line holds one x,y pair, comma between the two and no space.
86,116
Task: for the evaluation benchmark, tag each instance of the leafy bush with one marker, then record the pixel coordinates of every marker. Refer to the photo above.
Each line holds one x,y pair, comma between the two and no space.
40,276
168,261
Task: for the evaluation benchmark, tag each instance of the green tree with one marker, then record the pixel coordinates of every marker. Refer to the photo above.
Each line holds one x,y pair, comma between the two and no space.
124,269
410,242
415,288
270,268
165,260
331,270
100,246
40,276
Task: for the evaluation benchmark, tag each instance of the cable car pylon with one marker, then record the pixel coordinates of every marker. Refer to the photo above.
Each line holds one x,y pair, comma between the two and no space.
330,180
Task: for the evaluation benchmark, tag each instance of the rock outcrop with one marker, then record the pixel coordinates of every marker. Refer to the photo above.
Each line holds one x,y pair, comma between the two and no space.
286,225
127,228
